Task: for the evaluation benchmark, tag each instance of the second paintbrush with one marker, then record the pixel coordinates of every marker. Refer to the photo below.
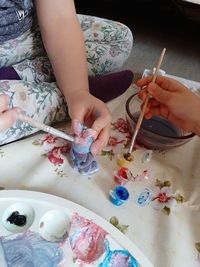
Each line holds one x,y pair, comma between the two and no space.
140,119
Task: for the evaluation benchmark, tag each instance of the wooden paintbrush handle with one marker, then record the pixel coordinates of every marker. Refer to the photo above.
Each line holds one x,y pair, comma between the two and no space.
140,119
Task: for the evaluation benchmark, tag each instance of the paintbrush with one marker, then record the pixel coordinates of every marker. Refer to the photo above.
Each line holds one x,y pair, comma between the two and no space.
45,128
140,119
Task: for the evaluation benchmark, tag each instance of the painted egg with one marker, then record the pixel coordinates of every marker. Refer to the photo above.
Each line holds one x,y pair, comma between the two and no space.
54,225
18,217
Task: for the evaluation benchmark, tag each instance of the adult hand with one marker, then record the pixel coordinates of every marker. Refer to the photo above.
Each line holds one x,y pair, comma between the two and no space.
93,113
173,101
7,117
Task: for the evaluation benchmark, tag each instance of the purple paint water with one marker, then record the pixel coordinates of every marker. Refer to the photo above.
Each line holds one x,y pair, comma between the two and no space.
159,125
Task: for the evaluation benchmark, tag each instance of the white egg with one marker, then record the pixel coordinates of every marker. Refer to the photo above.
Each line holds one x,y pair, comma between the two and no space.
18,217
54,225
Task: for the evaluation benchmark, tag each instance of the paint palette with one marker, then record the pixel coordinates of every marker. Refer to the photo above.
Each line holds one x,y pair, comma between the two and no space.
38,229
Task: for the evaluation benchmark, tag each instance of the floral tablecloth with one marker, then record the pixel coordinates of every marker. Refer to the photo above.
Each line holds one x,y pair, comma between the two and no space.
166,228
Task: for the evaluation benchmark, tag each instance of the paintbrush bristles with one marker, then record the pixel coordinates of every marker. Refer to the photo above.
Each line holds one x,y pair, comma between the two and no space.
127,156
140,119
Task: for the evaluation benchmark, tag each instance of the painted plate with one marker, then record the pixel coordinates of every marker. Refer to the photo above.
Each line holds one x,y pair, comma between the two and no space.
42,230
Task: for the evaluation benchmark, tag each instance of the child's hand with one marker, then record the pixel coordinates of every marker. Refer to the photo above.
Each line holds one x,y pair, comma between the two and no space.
92,113
173,101
7,117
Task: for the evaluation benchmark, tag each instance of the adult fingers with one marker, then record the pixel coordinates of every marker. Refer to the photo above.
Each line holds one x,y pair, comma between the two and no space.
160,111
153,103
148,115
4,100
144,81
164,112
142,94
159,93
168,84
8,118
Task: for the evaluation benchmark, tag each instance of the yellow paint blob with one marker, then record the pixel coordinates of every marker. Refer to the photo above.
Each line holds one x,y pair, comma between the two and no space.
122,162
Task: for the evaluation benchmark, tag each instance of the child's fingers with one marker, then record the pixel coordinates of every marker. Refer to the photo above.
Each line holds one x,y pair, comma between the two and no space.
102,121
101,141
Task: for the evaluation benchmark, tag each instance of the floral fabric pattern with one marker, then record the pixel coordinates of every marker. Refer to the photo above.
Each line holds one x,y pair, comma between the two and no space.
119,139
55,150
108,45
43,102
161,198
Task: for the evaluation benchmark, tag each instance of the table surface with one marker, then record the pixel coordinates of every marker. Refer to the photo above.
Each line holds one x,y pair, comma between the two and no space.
166,229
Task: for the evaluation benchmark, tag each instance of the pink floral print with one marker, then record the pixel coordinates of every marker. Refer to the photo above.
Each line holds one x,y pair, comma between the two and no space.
163,197
121,125
58,154
55,149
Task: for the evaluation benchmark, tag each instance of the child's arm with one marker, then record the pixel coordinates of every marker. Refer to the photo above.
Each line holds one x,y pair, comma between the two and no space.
63,40
64,43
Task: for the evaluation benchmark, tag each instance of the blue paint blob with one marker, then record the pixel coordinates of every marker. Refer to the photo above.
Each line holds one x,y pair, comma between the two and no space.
118,258
119,195
122,192
30,250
